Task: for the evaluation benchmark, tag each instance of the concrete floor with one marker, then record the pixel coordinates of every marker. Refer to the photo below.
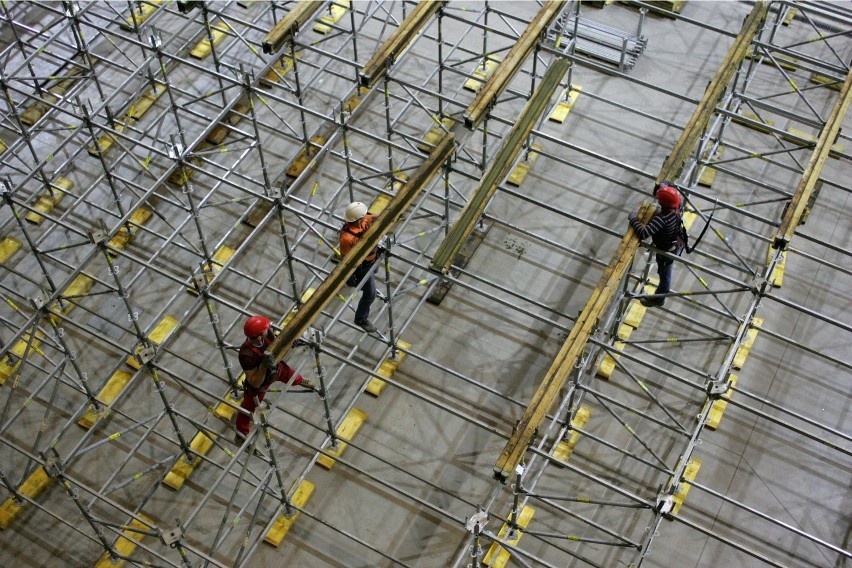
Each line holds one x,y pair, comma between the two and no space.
773,486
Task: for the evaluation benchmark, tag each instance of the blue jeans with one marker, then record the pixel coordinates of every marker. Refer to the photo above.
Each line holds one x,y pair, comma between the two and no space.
368,294
664,269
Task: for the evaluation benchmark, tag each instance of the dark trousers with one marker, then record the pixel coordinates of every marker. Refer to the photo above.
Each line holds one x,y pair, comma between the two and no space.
368,294
664,269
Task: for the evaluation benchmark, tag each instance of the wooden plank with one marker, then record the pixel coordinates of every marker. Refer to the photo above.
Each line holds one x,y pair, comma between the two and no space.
500,166
499,80
141,12
124,235
399,40
47,202
289,25
387,369
335,281
830,131
180,472
204,48
8,247
167,326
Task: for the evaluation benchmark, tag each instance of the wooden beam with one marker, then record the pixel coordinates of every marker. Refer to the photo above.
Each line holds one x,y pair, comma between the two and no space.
502,162
334,282
499,80
390,50
570,352
289,25
799,203
713,93
609,283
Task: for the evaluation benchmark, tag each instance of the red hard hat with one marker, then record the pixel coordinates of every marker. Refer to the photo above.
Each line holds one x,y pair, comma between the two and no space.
669,197
256,326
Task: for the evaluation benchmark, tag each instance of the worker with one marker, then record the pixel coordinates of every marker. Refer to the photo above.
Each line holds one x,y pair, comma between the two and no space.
260,370
664,229
357,221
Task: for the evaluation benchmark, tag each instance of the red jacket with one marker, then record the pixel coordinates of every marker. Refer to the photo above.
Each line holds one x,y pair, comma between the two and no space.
251,356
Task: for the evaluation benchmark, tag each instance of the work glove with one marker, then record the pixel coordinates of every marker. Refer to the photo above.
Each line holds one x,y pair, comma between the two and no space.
268,359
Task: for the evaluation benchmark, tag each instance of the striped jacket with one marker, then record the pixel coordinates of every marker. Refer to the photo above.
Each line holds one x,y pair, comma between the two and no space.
663,228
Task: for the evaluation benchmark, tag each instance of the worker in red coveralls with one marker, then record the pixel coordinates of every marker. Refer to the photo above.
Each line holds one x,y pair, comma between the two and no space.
260,370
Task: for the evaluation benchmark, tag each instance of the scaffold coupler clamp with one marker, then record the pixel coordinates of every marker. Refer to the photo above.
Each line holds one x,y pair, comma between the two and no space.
716,388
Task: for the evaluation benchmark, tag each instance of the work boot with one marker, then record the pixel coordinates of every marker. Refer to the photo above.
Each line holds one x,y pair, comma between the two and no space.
308,384
652,301
367,326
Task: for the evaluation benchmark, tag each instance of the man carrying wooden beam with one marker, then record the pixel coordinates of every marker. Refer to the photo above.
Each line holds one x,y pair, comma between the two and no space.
357,221
260,369
664,228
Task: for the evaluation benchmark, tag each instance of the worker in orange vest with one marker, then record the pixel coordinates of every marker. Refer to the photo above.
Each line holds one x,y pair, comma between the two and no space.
357,221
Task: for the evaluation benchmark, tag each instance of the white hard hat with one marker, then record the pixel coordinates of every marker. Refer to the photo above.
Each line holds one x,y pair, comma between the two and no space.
354,211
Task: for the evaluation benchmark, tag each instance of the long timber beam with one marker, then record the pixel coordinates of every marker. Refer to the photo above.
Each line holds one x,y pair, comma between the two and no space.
805,189
713,93
390,50
499,80
617,268
500,166
289,25
332,284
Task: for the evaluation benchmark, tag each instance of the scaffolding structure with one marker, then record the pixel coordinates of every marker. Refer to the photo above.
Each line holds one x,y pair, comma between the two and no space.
171,168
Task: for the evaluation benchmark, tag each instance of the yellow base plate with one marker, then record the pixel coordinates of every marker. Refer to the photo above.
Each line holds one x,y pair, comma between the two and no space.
200,445
31,488
142,11
777,276
745,346
435,134
497,556
352,102
565,447
564,106
282,524
761,127
47,202
160,333
810,138
114,386
832,84
387,369
226,411
204,47
523,168
482,72
689,475
608,364
346,431
305,157
124,235
8,247
143,103
8,365
635,313
279,71
126,544
719,406
336,10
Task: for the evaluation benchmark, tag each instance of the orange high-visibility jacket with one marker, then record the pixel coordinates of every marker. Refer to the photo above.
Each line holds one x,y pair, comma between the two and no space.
351,232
